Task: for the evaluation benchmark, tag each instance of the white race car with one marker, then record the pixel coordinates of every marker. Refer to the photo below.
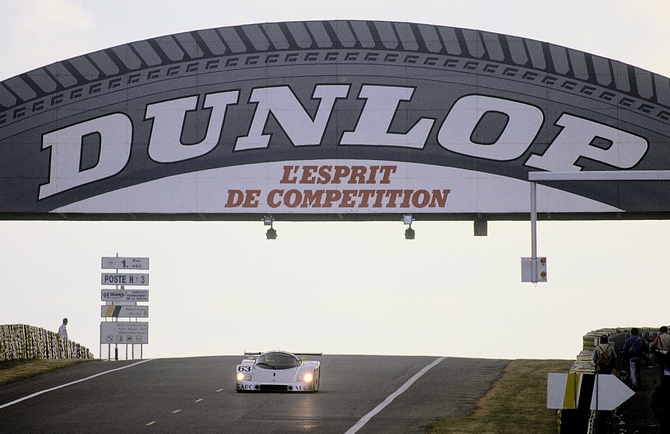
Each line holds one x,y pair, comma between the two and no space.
278,371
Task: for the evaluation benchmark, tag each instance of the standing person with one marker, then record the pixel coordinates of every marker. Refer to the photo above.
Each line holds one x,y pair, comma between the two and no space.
604,356
62,330
660,347
634,349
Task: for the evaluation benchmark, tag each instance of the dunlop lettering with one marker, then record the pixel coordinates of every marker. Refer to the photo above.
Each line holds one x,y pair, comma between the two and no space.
455,135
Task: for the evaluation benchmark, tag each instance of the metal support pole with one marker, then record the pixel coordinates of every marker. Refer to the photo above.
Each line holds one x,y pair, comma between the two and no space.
608,175
533,231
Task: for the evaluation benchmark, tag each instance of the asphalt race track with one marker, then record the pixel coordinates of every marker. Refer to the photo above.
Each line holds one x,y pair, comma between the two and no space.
363,394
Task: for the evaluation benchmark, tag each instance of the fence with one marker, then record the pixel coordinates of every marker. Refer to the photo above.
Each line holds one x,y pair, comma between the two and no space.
24,342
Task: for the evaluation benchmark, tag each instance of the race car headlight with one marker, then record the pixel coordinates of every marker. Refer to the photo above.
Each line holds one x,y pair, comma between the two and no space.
308,378
240,376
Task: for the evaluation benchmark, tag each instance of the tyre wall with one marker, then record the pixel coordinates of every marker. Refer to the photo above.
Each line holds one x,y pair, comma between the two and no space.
617,337
25,342
584,420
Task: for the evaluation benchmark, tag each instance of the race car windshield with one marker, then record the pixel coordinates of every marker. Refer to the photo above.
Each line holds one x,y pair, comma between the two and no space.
277,361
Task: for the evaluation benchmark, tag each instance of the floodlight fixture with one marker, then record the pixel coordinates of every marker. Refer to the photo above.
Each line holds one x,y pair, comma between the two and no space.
271,233
409,232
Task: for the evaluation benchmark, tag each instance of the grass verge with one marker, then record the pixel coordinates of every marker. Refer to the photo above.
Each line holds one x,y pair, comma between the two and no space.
517,403
16,370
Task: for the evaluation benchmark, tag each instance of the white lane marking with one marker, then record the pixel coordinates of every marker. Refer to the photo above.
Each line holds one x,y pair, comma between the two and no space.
69,384
365,419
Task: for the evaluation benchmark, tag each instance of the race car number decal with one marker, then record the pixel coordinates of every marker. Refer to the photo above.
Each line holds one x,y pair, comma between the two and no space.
244,368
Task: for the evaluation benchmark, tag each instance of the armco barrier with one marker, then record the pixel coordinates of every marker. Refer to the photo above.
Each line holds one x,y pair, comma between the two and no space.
24,342
581,421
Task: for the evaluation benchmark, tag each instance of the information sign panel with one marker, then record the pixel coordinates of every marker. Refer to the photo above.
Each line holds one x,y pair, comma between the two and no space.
137,279
124,311
124,332
586,391
125,263
141,295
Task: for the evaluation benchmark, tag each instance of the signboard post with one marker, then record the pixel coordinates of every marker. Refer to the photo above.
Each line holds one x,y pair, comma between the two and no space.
122,303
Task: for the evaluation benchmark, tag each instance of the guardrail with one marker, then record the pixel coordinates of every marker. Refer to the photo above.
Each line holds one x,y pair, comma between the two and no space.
25,342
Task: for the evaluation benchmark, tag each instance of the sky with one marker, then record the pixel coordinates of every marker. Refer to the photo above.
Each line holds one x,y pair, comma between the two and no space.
221,288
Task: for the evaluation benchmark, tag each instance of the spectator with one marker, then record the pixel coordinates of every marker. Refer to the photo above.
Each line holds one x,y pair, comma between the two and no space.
62,330
634,349
660,347
604,357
